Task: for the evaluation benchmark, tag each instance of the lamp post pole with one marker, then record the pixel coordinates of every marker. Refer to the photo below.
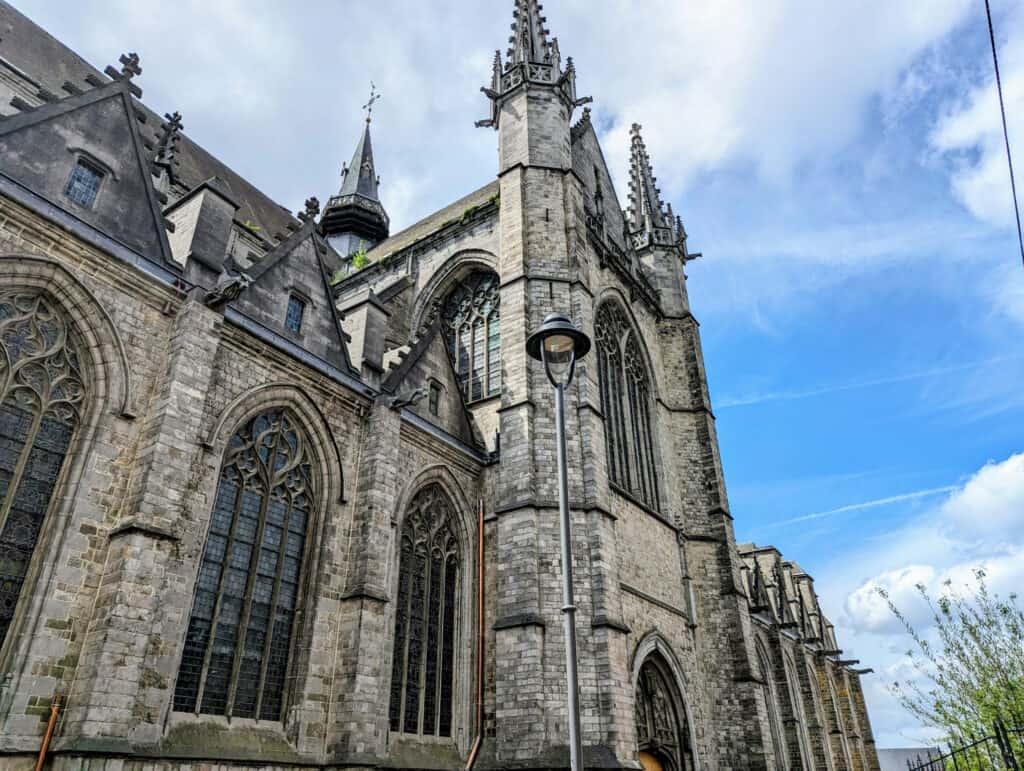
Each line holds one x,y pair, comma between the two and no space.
559,345
568,601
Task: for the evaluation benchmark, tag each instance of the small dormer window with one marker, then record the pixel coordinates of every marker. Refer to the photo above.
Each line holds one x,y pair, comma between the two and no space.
85,183
293,318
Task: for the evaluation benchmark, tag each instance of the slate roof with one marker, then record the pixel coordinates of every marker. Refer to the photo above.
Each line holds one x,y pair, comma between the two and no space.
451,213
46,60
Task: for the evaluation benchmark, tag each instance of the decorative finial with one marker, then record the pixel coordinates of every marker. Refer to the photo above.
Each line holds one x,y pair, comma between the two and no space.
129,69
170,137
312,209
374,96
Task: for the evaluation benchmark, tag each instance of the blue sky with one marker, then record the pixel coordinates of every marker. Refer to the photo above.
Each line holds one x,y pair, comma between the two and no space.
861,292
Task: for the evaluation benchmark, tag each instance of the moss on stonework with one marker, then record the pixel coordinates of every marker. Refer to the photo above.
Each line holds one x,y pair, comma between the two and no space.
150,678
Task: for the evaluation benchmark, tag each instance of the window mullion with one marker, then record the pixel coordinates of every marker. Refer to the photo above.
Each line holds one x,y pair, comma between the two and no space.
250,580
422,675
408,636
439,654
282,553
624,414
215,615
19,468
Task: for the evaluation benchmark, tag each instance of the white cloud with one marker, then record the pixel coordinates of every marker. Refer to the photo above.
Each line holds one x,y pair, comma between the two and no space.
979,524
969,134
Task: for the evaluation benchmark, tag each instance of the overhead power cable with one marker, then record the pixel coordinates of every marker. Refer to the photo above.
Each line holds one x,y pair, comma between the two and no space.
1006,135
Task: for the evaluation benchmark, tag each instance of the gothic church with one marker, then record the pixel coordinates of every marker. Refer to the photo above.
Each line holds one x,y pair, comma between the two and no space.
277,492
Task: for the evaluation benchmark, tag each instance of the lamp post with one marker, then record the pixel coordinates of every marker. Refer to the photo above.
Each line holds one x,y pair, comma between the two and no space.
558,344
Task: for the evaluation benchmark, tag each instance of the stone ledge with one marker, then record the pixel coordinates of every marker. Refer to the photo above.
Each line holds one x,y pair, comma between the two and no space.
519,620
654,600
134,525
608,622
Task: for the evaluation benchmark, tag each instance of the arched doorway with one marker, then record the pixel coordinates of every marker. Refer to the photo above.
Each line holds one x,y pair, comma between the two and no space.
662,727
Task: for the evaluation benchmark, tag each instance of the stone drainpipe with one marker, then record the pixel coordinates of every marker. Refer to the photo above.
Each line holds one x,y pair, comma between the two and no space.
479,641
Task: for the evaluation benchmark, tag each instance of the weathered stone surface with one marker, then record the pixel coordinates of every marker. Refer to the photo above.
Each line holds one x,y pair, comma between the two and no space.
751,662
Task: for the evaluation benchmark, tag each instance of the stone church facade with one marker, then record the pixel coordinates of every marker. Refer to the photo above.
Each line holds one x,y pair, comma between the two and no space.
279,492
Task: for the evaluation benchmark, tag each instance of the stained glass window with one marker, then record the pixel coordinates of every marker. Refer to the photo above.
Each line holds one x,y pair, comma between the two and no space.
626,403
42,393
422,670
471,323
659,730
84,184
293,316
235,659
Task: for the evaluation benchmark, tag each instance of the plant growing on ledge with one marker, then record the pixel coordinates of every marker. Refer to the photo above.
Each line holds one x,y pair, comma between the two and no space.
359,259
251,226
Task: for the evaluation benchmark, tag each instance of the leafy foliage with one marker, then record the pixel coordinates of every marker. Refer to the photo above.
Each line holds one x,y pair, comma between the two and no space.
971,670
359,258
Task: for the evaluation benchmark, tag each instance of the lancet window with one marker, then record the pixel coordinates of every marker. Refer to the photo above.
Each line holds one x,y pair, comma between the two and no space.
236,655
626,404
472,326
426,618
43,391
663,739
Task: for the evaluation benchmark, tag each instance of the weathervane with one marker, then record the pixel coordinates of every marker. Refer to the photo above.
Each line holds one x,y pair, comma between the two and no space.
374,96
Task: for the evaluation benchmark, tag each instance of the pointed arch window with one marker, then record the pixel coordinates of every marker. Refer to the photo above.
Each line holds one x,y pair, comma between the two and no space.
663,739
471,322
426,618
42,393
236,655
626,404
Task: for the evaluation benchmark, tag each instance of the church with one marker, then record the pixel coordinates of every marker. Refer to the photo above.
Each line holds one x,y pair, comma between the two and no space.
279,492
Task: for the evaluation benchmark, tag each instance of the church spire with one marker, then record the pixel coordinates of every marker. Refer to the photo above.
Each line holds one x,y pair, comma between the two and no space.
528,43
532,59
649,220
355,219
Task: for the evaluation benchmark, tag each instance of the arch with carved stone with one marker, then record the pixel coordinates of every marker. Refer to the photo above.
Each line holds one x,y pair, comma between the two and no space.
273,444
628,396
444,279
656,670
434,487
105,393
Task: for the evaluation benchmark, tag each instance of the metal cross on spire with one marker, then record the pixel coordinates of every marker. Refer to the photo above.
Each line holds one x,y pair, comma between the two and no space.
374,96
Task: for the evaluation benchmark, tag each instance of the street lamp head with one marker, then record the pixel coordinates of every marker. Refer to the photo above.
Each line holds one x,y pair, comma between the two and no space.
559,345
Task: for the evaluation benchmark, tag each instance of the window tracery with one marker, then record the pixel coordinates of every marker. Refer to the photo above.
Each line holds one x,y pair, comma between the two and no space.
659,730
236,654
626,404
42,394
426,618
472,327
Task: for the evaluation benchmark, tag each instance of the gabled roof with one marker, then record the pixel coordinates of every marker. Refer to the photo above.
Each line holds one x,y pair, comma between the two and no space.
46,60
292,248
100,124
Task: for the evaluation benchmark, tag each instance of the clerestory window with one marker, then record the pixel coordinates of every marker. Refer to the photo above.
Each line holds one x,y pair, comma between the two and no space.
626,403
235,660
426,618
472,326
42,393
